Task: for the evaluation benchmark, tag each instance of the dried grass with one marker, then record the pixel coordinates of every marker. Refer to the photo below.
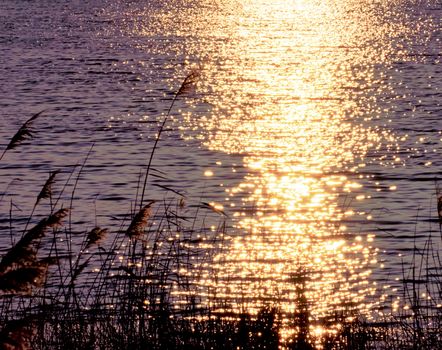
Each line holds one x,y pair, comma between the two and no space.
46,191
22,254
96,235
24,133
17,335
139,222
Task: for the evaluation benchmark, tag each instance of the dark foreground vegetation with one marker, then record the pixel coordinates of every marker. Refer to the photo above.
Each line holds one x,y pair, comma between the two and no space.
135,286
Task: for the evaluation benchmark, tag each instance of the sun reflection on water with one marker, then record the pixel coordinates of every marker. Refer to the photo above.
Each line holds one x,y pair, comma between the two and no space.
292,88
301,132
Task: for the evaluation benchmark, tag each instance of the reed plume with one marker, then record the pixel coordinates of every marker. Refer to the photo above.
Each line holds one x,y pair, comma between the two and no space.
22,279
46,191
188,83
24,133
16,335
138,224
22,254
95,236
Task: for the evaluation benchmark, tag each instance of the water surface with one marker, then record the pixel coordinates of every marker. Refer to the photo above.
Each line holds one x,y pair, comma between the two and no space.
315,127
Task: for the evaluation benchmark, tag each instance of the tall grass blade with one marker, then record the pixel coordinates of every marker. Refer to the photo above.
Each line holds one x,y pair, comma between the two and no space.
439,208
79,270
187,84
213,208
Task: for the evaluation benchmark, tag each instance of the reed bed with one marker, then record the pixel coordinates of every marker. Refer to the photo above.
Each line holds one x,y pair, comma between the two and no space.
130,288
136,286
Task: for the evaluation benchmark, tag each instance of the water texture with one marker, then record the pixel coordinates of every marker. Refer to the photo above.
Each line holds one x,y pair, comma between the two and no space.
315,126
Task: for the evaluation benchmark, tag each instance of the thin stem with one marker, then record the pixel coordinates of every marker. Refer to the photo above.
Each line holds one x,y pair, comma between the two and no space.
187,82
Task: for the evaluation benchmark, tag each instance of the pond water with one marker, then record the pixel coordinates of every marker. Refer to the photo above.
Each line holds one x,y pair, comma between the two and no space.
315,126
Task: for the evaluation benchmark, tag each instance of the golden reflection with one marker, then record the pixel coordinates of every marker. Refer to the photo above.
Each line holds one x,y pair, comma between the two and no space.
292,88
288,99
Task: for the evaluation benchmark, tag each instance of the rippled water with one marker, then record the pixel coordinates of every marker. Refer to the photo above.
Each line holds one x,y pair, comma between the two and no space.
315,126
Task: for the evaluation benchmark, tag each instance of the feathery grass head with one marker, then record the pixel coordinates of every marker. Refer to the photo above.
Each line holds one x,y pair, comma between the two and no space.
95,236
55,219
18,256
138,224
21,280
22,254
39,230
188,83
24,133
16,334
24,277
46,191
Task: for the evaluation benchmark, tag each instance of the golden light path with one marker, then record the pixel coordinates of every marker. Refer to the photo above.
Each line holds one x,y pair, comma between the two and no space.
292,87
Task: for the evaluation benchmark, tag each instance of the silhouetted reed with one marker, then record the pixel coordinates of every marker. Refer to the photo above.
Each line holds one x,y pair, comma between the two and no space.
17,335
188,83
439,205
138,224
95,236
46,191
24,133
23,253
